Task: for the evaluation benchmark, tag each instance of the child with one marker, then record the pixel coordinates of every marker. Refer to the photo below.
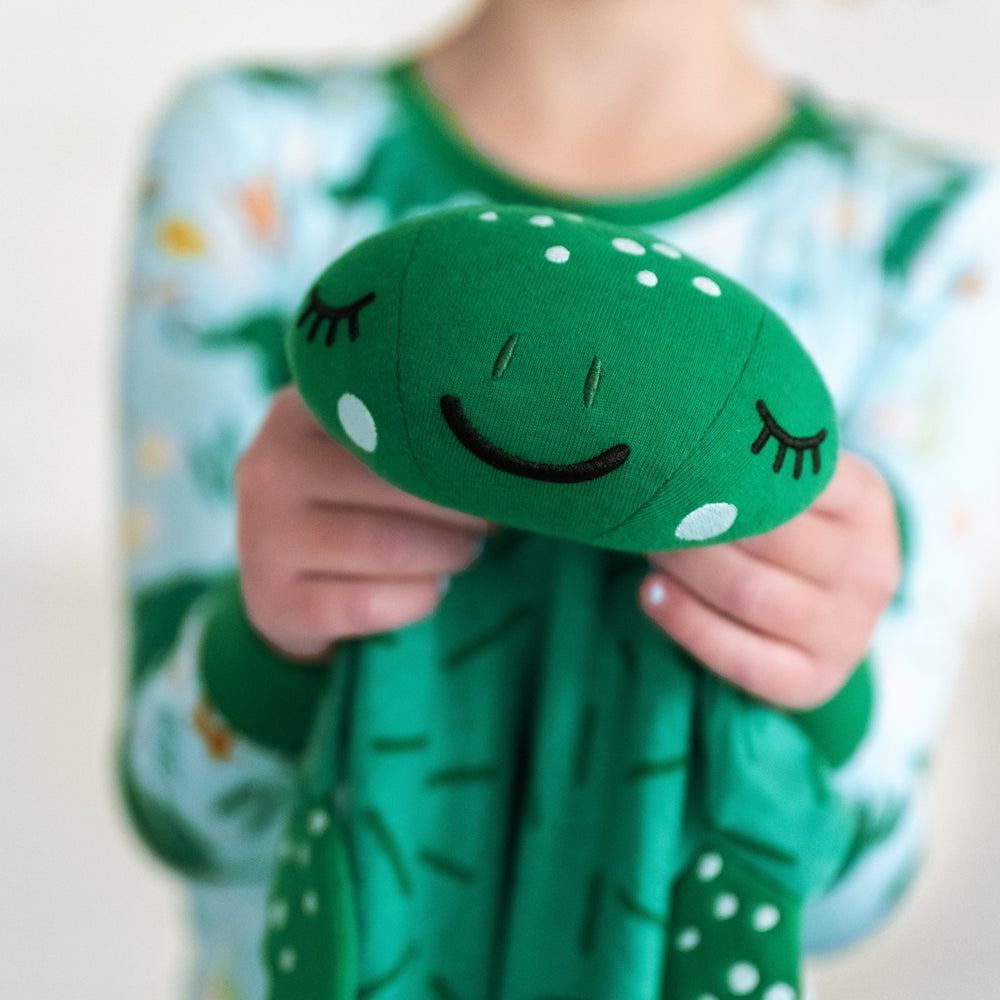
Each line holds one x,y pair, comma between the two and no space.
878,250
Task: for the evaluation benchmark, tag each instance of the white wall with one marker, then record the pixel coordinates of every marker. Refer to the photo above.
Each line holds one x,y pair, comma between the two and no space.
83,913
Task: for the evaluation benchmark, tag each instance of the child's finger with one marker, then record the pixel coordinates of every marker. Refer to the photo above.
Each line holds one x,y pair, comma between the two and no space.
313,612
759,595
759,664
809,546
358,541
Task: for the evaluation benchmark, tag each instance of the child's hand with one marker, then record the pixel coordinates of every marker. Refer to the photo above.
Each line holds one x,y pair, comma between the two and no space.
788,615
328,550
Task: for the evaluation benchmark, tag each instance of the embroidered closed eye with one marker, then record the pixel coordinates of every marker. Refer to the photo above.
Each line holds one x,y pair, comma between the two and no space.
800,445
318,314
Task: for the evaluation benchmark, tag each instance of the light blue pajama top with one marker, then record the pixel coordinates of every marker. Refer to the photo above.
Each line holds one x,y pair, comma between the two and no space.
880,250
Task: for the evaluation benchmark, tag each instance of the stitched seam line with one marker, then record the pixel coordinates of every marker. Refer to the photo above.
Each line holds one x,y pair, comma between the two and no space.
697,445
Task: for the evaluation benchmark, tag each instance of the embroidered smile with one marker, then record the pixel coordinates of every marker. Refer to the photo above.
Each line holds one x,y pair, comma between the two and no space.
485,450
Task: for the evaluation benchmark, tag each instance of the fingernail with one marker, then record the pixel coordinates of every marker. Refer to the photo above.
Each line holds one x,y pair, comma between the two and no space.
656,594
443,584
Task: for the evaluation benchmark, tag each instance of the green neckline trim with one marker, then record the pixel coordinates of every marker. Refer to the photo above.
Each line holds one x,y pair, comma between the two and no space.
439,127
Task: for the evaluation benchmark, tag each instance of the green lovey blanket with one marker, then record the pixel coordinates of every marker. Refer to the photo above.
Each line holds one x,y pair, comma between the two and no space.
534,795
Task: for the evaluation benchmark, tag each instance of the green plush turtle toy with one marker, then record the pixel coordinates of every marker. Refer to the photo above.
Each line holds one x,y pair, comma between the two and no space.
534,794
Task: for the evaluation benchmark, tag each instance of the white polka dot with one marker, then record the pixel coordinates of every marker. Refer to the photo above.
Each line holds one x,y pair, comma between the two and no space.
542,220
688,939
668,251
319,820
707,521
310,903
707,286
725,906
706,996
287,959
303,855
765,917
358,423
626,245
558,255
646,278
780,991
489,216
743,978
277,913
573,217
709,867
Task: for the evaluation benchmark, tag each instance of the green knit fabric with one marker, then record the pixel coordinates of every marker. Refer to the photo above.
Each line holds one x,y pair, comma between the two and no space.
239,664
558,343
535,793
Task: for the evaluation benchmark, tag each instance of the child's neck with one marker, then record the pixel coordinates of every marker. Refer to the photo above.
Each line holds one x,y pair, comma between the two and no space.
607,96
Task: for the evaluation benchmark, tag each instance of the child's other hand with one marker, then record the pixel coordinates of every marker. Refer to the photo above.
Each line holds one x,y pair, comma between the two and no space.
788,615
327,550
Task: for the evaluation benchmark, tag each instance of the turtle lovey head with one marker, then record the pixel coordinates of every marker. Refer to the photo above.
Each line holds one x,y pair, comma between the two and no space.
565,376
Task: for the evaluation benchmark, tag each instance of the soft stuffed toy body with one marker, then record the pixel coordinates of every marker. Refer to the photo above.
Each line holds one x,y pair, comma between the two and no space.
535,794
563,377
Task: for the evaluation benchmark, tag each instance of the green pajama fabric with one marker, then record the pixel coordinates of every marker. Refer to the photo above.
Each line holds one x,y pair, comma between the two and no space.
519,783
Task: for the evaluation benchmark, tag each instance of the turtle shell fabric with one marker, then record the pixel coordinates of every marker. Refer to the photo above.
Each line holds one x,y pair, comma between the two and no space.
565,376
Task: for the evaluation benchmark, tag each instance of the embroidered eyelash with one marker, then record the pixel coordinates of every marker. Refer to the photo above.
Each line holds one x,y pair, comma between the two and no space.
800,445
319,312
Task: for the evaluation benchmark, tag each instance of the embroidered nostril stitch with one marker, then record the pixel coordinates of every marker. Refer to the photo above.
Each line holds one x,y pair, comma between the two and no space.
592,383
503,358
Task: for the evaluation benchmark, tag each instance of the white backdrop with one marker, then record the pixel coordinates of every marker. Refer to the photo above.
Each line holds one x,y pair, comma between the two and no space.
83,913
